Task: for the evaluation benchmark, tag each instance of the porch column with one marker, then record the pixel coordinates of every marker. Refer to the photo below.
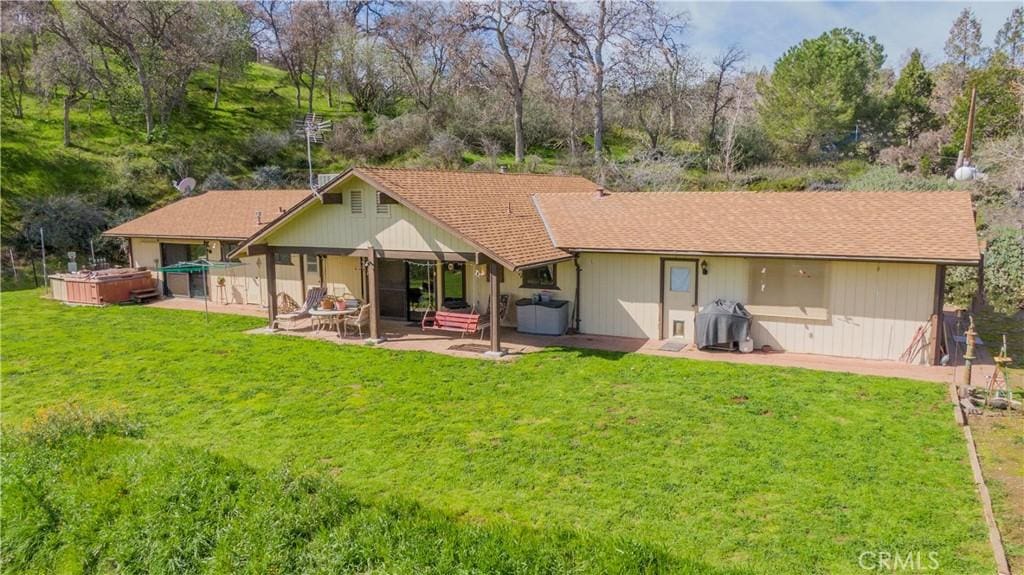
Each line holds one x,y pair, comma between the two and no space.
495,350
374,295
271,287
439,268
934,349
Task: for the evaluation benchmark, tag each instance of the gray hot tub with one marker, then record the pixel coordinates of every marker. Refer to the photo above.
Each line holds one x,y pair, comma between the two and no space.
542,317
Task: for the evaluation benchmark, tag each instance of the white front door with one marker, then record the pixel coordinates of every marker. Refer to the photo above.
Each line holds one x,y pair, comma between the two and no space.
679,299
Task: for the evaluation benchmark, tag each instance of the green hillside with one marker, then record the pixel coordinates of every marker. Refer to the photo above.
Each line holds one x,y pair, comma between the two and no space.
114,161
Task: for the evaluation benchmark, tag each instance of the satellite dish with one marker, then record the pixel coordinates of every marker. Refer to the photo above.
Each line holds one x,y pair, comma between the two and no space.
185,186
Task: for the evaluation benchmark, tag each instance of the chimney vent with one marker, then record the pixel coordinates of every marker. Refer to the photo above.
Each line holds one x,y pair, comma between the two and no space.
259,218
601,192
503,169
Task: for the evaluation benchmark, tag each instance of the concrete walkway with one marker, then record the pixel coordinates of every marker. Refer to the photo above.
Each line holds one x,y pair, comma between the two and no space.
405,336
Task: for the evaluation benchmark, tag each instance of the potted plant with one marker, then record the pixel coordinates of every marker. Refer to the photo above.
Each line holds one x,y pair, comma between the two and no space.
327,302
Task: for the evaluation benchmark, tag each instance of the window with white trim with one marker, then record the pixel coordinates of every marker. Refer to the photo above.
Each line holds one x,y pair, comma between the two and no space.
313,265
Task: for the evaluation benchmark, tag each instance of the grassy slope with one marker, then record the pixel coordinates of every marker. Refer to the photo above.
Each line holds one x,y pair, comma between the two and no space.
36,163
774,470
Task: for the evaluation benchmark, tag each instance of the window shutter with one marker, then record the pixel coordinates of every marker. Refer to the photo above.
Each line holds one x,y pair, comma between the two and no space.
356,201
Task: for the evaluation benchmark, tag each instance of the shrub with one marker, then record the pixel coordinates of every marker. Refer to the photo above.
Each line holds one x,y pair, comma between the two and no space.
67,222
55,425
446,149
1004,274
269,178
1004,270
266,145
218,181
888,178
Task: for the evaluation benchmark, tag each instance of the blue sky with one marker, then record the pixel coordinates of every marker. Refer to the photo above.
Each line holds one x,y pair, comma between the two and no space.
766,29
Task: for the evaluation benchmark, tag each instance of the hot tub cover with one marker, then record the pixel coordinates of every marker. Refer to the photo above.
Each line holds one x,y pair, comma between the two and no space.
722,321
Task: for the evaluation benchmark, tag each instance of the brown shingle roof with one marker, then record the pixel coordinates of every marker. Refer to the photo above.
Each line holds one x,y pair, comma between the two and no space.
217,214
928,226
492,211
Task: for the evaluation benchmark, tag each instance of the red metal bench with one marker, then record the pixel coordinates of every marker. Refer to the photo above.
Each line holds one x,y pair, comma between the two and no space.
461,323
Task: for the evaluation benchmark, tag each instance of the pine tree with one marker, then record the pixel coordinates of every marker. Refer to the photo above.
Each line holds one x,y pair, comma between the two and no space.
1010,38
909,99
963,46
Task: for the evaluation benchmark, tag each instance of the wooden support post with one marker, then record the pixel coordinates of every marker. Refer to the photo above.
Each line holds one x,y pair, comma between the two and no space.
374,295
935,349
495,316
271,287
439,285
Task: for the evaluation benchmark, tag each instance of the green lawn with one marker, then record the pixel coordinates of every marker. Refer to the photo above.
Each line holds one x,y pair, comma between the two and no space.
715,466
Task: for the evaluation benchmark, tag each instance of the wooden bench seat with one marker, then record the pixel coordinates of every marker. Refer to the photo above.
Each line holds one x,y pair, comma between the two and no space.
461,323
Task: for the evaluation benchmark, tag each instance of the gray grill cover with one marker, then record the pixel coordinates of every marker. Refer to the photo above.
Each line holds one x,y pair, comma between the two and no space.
722,322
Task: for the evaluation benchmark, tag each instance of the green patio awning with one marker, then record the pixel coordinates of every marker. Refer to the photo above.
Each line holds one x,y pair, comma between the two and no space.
199,265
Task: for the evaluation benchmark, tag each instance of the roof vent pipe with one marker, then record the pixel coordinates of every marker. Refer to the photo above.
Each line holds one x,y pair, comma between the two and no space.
259,218
601,192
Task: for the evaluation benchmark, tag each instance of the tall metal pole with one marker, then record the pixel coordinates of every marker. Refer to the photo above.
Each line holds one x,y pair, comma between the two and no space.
42,245
92,253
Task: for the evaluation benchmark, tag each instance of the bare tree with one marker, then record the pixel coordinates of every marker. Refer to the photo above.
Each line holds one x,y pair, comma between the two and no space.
662,33
230,44
649,96
591,32
159,41
65,64
363,68
603,31
299,33
424,39
19,39
565,78
516,32
725,64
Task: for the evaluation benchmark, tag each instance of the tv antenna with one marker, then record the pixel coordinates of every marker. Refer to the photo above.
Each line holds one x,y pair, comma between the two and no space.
313,128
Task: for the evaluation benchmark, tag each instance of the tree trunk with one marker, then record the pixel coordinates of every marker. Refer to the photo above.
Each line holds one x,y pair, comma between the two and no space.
216,94
517,120
68,102
15,97
312,84
599,116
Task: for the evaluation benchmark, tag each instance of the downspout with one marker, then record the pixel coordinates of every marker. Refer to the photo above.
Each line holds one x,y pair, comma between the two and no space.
576,305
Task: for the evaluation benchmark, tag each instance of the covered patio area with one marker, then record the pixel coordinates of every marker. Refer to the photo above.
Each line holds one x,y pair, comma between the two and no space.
403,336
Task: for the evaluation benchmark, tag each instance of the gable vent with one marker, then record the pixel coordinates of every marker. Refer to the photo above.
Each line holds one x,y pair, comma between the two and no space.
322,179
356,201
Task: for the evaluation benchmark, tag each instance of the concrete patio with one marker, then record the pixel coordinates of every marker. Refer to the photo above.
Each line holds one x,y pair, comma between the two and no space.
405,336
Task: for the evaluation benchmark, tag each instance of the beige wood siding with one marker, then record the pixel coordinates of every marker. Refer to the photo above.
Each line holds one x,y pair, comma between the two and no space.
343,275
619,295
335,226
874,309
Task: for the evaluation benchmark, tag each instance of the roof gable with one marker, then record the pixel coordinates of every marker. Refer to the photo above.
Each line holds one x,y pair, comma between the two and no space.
492,211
